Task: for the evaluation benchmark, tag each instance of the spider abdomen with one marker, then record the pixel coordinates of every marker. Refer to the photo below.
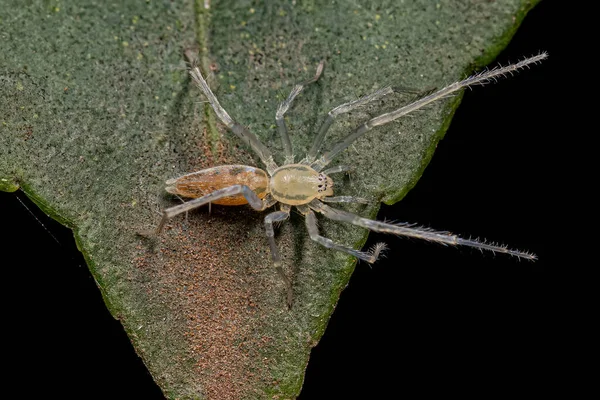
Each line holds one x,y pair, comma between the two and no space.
297,184
200,183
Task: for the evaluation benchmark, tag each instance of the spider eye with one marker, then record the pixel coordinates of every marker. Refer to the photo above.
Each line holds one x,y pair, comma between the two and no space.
324,183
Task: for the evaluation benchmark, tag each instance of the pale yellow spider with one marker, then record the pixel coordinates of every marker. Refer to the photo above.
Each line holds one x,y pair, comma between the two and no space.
307,184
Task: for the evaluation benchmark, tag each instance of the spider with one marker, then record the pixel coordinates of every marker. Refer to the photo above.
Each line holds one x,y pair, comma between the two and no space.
307,184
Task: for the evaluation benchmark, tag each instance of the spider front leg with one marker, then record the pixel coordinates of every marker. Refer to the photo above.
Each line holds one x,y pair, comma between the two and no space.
345,199
284,107
349,106
428,98
338,168
445,238
270,219
254,201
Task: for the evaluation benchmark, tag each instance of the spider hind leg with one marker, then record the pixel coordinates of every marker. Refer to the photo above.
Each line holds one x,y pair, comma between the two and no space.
407,230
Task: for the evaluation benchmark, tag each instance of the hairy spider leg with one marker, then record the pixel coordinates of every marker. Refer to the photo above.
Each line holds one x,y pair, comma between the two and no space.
342,109
351,105
445,238
345,199
254,201
284,107
239,130
313,231
278,216
477,79
338,168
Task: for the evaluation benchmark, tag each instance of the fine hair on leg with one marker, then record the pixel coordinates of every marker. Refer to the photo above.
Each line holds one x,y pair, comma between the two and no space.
445,238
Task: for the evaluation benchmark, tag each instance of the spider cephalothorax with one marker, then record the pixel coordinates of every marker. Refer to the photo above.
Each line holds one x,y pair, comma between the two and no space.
306,185
297,184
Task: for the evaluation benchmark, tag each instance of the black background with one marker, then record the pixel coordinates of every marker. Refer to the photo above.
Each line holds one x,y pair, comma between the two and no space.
427,320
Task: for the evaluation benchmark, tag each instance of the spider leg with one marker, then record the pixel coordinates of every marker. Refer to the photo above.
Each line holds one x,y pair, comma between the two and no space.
285,106
345,199
338,169
271,218
477,79
239,130
342,109
268,201
313,231
445,238
254,201
347,107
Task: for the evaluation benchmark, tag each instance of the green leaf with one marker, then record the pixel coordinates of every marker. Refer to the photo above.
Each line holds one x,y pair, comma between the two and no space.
97,111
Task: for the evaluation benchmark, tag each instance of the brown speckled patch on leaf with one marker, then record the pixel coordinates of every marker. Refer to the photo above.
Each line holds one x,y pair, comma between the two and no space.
195,270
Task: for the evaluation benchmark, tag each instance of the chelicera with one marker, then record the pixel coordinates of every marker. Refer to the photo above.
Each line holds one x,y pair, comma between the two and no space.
307,184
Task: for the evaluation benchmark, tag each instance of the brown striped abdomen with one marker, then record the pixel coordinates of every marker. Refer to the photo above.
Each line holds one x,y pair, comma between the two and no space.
198,184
